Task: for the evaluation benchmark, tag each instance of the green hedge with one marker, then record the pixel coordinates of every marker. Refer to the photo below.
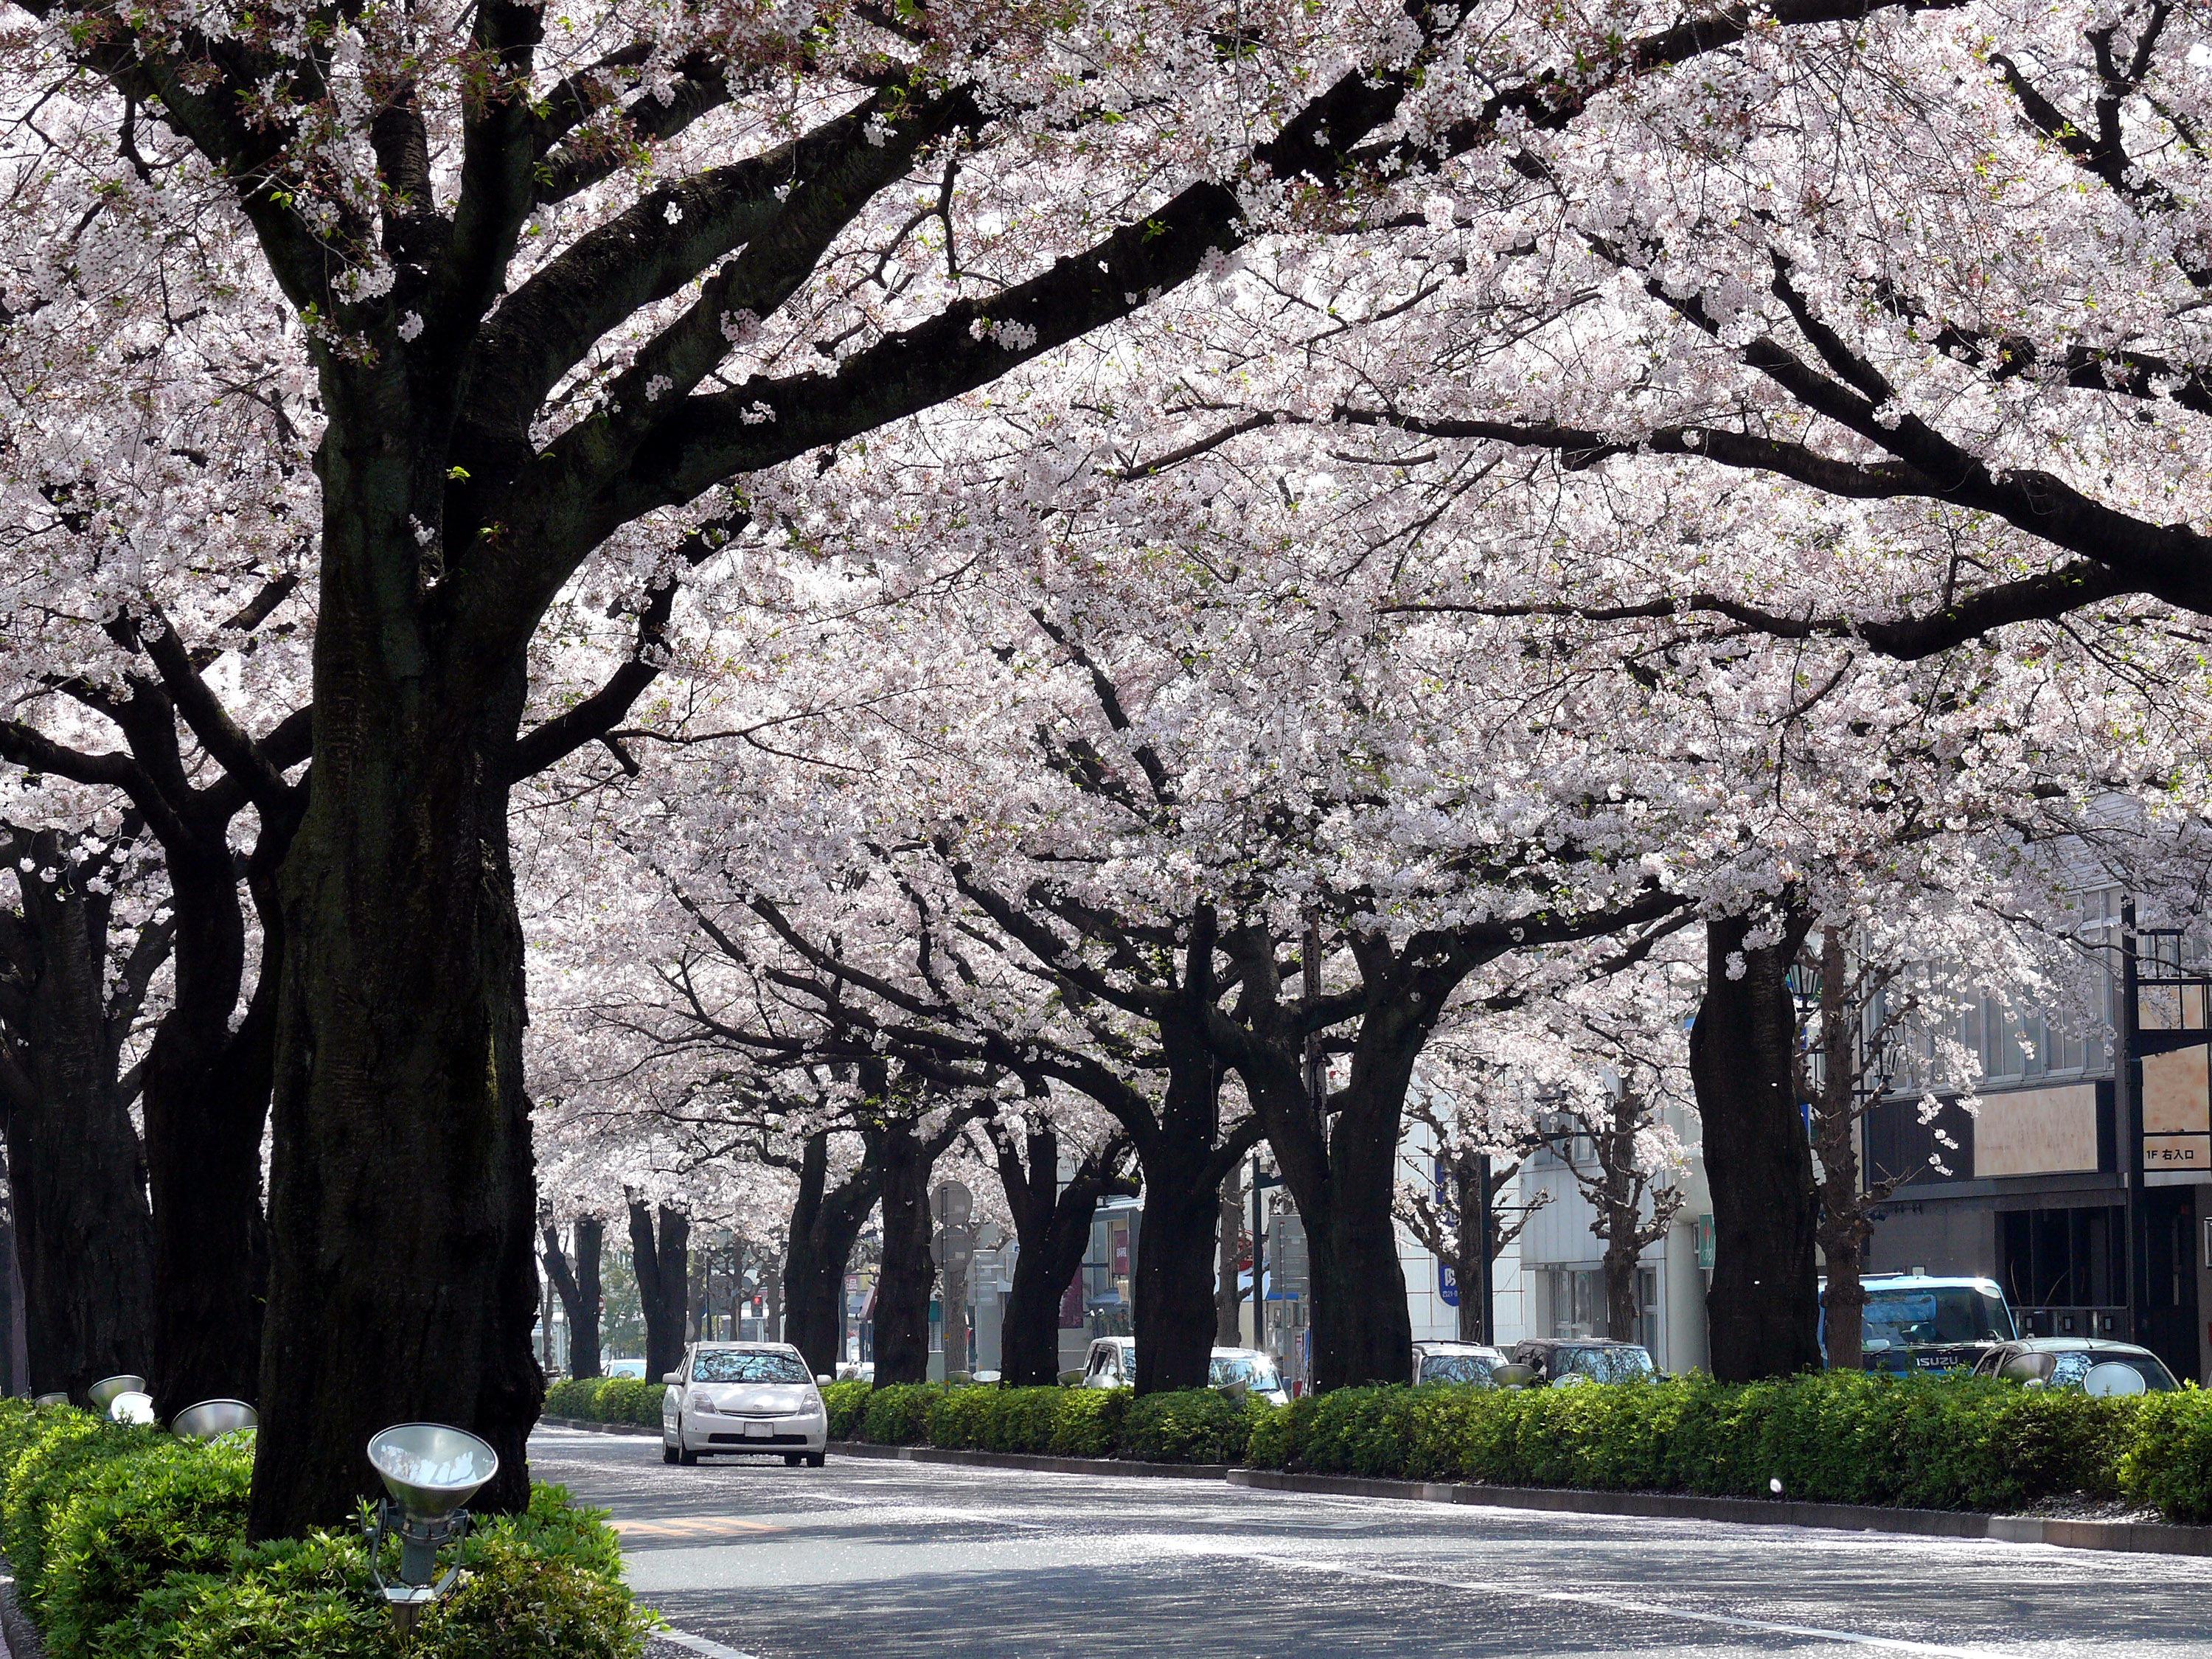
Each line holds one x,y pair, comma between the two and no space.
129,1544
1841,1437
607,1399
1956,1443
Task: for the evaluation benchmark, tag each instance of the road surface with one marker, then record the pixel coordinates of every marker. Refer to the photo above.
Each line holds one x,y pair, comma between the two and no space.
893,1560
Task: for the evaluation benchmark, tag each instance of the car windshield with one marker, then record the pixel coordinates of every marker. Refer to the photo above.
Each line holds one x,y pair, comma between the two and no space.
1604,1364
1243,1367
2071,1371
1955,1313
1455,1368
743,1365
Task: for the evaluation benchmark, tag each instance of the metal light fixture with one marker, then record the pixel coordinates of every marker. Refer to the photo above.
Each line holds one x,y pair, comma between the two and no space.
132,1407
430,1470
104,1393
44,1400
211,1420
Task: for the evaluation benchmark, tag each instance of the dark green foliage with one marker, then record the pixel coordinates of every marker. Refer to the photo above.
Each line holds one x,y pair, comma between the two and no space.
136,1539
576,1397
1192,1425
844,1402
1835,1437
2167,1465
898,1414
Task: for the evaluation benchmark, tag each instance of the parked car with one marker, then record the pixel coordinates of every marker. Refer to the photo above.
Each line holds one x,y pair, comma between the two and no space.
1585,1358
1919,1323
743,1398
1455,1362
1250,1372
630,1368
860,1370
1112,1363
2088,1363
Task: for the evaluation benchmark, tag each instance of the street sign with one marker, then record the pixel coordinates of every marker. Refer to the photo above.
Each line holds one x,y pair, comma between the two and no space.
952,1205
953,1248
1447,1284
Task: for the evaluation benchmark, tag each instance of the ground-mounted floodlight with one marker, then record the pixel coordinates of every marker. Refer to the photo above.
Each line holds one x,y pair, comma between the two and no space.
1513,1374
103,1394
131,1406
211,1420
44,1400
430,1470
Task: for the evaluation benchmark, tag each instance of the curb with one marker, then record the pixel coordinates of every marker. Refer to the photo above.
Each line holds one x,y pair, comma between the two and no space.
2145,1537
991,1460
19,1637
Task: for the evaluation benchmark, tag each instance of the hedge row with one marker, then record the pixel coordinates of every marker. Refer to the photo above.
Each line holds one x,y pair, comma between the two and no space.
1196,1426
1841,1437
128,1543
607,1399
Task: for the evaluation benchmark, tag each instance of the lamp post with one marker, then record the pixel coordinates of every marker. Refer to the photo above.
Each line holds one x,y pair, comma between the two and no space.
431,1469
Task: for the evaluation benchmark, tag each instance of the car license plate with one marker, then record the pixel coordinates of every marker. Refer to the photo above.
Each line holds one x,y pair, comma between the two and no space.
760,1430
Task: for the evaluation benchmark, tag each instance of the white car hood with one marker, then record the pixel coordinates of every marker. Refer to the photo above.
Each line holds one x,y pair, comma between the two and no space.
757,1398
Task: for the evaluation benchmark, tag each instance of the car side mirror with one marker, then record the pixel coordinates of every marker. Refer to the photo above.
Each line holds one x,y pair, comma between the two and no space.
674,1379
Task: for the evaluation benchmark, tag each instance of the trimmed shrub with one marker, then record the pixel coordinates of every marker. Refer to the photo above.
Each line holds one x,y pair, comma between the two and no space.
1088,1423
629,1400
574,1397
898,1414
137,1539
2167,1465
844,1402
1192,1425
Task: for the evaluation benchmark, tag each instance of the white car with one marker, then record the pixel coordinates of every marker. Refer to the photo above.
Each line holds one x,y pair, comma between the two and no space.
1112,1363
1455,1362
743,1398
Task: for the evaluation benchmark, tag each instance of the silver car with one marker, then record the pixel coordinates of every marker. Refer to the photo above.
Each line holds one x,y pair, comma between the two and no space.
743,1398
1455,1362
1112,1363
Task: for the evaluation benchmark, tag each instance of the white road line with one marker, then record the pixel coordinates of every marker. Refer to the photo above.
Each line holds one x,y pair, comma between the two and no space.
683,1639
1630,1604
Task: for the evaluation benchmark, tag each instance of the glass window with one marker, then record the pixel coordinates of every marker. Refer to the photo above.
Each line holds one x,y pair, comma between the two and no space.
747,1365
1258,1373
1951,1314
1603,1364
1455,1368
2072,1368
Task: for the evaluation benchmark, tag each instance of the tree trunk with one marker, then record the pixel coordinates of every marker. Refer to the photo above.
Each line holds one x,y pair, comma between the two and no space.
577,1285
663,1283
206,1105
825,1222
584,1317
1471,1263
75,1170
402,1216
1622,1262
1228,1299
908,1274
1184,1163
1363,1331
1763,1308
1845,1230
1052,1229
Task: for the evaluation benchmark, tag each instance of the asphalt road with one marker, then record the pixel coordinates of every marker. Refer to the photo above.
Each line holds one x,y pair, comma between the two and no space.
888,1560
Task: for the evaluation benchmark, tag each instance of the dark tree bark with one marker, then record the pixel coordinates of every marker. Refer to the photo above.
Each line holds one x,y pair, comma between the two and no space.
577,1285
908,1157
825,1222
77,1179
663,1267
1763,1311
903,1283
1052,1231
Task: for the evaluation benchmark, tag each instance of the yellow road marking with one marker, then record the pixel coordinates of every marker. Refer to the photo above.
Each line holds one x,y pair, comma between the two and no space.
691,1526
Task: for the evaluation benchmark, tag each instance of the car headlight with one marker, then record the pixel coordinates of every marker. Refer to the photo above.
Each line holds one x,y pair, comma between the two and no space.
700,1402
812,1408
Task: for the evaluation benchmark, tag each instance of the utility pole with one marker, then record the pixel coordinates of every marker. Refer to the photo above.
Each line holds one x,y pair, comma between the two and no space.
2126,1102
1486,1314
